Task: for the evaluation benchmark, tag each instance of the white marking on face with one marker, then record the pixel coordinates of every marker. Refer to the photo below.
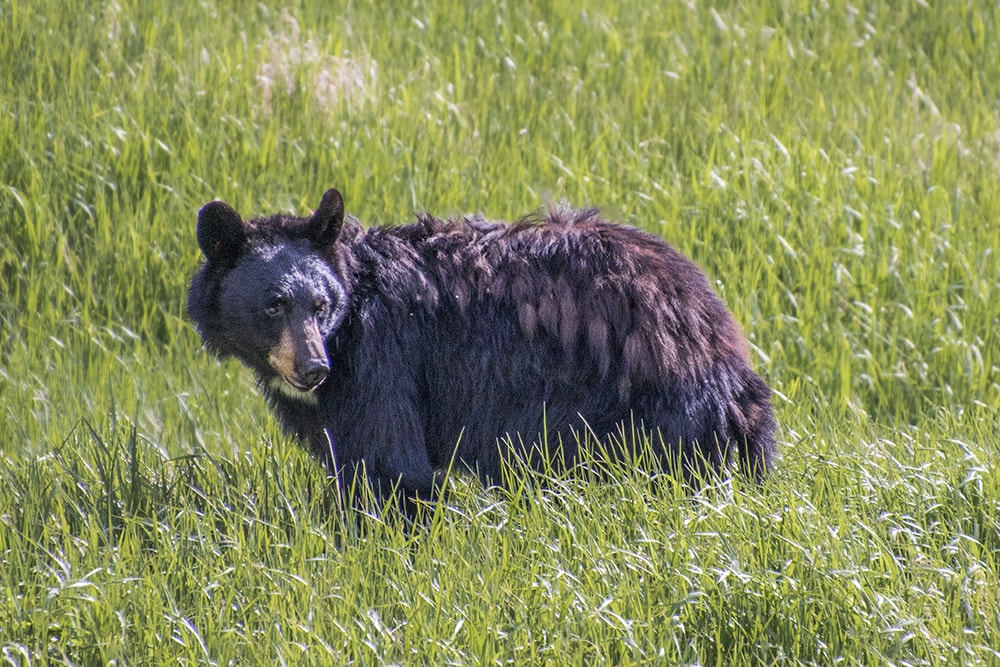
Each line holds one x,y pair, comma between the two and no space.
279,385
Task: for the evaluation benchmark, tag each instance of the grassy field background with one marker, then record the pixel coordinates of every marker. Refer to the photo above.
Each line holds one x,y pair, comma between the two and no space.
833,166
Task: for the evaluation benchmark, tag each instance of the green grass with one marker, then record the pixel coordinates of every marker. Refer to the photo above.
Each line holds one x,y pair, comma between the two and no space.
833,166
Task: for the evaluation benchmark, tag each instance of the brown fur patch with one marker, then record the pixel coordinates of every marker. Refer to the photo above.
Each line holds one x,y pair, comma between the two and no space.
597,341
282,356
548,308
527,317
568,315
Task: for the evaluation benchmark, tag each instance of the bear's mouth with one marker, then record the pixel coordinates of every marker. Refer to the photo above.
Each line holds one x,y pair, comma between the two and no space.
293,389
297,384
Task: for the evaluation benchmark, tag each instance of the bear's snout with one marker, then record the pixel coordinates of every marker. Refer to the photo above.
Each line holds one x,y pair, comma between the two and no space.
300,356
312,376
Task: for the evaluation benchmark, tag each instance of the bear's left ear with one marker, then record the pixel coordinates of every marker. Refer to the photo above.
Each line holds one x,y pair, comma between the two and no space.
324,226
221,234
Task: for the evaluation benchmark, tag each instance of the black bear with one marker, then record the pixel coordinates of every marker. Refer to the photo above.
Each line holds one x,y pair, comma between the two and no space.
396,352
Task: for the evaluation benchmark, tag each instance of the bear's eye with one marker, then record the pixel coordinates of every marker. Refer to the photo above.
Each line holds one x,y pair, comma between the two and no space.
275,308
320,305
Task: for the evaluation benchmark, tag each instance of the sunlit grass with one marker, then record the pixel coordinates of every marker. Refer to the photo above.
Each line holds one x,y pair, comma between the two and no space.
833,166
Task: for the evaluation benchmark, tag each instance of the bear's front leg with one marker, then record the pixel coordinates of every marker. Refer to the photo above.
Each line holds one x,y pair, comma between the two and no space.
383,449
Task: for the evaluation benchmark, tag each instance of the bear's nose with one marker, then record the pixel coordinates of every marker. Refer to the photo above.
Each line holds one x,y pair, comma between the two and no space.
315,374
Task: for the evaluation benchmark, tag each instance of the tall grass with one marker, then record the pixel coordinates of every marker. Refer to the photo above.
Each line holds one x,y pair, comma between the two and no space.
833,166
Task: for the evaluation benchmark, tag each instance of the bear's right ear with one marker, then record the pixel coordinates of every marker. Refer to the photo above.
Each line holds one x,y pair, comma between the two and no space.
221,234
324,226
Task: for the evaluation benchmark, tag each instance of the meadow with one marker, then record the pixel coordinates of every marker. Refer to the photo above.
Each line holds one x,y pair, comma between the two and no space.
833,166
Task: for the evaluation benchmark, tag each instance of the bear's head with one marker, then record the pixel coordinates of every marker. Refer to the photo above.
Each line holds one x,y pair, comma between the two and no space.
266,294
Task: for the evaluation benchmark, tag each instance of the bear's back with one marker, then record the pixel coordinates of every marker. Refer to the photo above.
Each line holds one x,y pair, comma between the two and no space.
570,276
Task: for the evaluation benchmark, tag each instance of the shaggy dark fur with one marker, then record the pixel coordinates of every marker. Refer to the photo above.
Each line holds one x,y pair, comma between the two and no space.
388,348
